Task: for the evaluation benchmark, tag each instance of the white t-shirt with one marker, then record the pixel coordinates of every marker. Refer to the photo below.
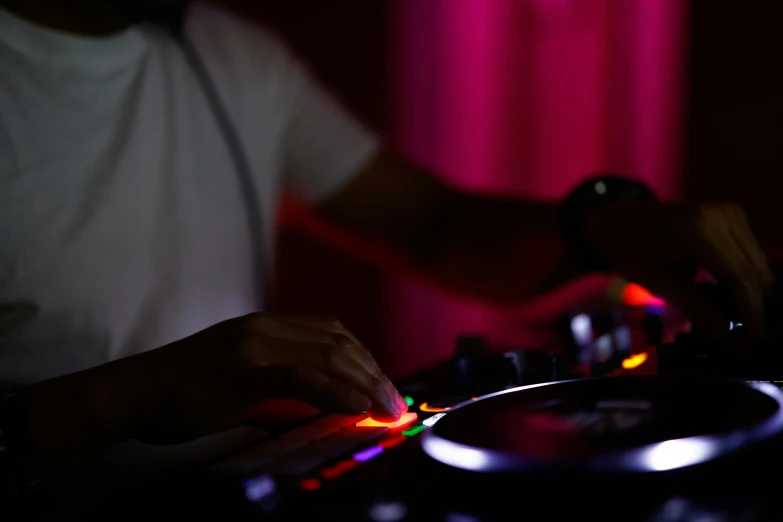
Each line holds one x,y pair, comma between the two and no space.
122,221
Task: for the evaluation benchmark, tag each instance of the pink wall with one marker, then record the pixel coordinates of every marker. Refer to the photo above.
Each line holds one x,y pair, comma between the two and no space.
527,97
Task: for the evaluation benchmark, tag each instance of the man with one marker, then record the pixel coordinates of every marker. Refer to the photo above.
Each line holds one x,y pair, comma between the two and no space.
128,275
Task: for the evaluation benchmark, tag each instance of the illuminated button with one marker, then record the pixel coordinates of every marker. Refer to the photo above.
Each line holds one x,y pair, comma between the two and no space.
409,401
390,443
368,454
331,473
387,512
444,405
406,418
414,431
338,469
346,465
310,484
425,406
634,361
259,488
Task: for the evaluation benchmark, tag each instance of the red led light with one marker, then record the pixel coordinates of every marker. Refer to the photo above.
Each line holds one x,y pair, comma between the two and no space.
635,295
310,484
345,465
390,443
331,473
406,418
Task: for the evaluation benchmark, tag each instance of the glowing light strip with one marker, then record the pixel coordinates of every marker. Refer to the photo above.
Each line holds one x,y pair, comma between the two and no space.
661,456
368,454
259,488
432,420
432,409
425,406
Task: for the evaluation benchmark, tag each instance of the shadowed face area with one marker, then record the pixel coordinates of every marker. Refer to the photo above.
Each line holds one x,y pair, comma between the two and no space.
93,17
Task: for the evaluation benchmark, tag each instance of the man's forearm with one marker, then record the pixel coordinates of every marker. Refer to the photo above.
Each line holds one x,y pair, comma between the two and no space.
74,418
499,249
495,248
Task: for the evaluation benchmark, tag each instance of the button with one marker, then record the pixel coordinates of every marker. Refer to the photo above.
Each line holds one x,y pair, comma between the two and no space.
394,441
368,454
406,418
310,484
414,431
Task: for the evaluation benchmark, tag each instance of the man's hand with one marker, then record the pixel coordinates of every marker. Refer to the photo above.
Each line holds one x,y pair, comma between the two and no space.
661,247
217,378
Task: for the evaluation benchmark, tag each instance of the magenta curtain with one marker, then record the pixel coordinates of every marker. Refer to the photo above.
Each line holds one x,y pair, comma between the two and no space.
528,97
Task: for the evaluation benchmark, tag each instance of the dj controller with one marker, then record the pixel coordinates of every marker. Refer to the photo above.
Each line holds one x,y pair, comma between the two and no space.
635,417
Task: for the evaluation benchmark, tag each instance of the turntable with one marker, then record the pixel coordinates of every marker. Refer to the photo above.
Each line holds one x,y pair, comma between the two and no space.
680,434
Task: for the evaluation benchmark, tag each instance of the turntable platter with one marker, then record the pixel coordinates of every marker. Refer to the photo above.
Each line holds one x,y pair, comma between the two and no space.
622,424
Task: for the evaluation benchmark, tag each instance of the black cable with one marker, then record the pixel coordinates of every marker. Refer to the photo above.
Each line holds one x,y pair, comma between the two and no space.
253,204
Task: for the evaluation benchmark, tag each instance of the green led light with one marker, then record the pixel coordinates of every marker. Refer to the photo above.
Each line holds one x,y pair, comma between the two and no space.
409,400
413,431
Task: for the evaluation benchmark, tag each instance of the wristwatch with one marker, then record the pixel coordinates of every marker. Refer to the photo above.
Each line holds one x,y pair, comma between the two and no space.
594,193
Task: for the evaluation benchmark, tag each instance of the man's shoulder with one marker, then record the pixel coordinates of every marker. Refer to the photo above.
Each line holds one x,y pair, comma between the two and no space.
225,28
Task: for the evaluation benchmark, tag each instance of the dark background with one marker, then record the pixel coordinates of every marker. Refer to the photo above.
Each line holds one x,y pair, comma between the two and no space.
733,122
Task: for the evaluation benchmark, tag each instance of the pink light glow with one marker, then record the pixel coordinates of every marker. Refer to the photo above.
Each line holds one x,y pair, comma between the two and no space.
527,97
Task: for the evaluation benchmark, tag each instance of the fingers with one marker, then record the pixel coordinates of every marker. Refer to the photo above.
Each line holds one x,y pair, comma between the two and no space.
744,236
713,242
336,359
334,354
311,386
361,354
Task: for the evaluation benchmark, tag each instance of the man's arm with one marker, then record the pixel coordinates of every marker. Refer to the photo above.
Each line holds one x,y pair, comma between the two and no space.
507,250
492,248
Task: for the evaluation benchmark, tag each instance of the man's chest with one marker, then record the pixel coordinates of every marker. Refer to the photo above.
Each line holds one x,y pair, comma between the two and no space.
125,214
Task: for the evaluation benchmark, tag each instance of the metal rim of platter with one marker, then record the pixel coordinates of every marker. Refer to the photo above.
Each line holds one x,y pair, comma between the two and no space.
667,455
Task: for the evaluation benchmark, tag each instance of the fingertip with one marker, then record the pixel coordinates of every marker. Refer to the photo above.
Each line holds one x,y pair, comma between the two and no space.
383,414
401,404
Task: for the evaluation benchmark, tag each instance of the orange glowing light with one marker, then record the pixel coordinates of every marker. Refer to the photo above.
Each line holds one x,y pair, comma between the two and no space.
310,484
432,409
406,418
390,443
635,295
634,361
425,406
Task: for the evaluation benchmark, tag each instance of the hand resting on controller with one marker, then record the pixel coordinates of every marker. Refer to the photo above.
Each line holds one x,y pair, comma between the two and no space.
208,382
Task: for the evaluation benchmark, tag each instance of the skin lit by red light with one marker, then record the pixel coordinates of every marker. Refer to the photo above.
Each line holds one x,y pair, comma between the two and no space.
406,418
390,443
